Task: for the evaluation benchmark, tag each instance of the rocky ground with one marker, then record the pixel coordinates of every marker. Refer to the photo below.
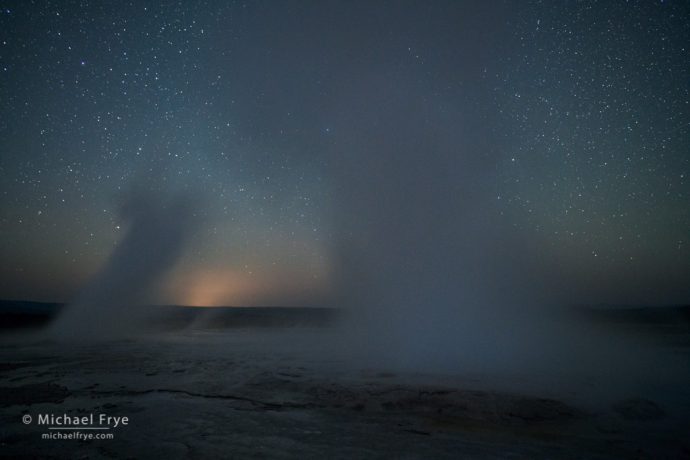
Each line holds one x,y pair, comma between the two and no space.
244,393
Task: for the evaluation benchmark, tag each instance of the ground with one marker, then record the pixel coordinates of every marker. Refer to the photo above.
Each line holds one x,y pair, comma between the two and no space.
248,393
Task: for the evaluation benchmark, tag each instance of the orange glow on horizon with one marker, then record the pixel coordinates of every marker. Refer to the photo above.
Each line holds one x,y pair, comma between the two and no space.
213,288
233,286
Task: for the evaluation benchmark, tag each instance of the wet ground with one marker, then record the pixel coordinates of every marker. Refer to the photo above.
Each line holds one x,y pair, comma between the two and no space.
247,393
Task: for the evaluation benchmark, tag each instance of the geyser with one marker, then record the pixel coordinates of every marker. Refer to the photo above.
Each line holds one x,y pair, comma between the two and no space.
113,304
434,275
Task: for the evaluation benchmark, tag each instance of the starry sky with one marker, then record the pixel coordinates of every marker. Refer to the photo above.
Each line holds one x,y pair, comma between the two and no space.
572,118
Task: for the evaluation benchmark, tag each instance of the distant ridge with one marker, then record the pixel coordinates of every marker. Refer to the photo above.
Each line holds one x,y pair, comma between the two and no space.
26,313
16,314
674,314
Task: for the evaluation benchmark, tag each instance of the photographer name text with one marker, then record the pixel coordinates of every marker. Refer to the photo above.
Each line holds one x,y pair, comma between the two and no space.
90,420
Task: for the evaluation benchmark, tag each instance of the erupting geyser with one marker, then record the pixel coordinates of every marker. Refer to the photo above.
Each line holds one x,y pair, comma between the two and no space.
113,304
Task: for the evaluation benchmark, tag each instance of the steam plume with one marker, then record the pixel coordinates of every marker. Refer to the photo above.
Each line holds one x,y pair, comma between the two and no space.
158,227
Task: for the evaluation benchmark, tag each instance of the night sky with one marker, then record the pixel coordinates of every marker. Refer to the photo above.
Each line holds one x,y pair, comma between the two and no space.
571,120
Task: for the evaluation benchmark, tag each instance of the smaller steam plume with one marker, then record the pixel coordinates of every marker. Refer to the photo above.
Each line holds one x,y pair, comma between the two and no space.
113,304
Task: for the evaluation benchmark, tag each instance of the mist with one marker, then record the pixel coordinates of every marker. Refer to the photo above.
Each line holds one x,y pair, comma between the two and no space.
113,304
433,275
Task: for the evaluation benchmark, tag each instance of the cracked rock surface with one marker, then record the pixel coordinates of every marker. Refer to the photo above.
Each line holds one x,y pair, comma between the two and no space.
211,395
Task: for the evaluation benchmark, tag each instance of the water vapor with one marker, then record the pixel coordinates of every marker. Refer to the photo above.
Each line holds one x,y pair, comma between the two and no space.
432,273
158,228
